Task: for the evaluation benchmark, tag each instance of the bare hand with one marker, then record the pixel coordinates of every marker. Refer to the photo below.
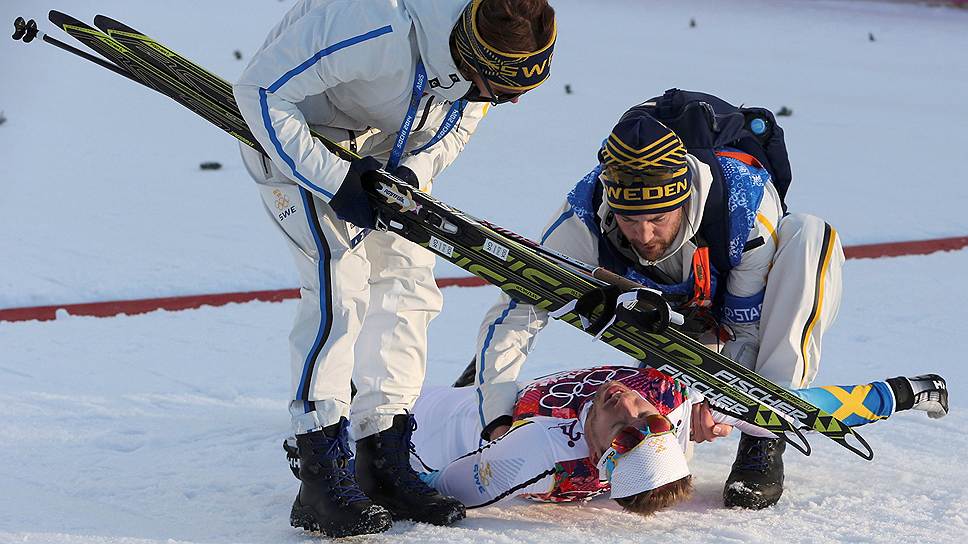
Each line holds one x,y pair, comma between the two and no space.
703,427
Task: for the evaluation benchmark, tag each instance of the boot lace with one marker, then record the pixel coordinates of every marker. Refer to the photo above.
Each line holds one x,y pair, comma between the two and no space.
402,445
757,456
338,448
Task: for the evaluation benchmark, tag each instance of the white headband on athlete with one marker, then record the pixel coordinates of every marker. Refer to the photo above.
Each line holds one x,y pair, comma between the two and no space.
656,461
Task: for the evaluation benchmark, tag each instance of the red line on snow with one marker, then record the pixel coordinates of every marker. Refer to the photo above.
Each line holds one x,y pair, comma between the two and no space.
140,306
897,249
144,305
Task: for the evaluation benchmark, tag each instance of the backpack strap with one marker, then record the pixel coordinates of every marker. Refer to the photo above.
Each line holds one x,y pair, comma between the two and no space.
706,124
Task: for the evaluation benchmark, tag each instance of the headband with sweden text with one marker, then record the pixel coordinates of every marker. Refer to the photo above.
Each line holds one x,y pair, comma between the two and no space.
517,72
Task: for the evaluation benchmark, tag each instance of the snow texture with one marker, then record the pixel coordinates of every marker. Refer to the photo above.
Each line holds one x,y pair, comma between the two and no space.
167,427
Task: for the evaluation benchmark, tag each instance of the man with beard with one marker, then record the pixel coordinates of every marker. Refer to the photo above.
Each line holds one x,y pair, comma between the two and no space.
761,286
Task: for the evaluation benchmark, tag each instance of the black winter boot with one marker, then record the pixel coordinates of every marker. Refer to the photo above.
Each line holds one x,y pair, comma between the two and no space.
756,480
329,498
384,473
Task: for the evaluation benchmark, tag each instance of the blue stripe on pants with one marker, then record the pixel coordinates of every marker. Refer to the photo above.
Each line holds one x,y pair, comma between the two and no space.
325,300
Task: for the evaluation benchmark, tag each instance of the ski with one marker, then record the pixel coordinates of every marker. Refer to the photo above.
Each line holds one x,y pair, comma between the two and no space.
203,105
508,261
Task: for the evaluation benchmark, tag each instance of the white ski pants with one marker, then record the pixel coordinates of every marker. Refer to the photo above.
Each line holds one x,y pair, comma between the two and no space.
363,312
803,292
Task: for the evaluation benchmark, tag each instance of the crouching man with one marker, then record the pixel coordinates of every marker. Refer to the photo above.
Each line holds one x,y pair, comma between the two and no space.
698,214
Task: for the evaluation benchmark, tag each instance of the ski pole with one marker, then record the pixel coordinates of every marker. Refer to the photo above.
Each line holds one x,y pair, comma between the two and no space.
598,272
26,31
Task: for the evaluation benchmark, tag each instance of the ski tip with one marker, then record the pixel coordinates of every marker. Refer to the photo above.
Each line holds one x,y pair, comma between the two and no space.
856,443
103,20
106,23
800,444
60,19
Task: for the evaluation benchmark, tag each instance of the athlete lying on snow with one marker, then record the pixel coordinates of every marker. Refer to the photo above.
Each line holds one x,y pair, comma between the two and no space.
582,433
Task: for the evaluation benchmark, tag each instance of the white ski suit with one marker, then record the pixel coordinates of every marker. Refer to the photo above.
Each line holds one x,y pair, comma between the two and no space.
797,271
545,456
347,69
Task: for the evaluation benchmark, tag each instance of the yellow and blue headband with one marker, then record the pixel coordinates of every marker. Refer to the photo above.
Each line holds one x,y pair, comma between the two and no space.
518,72
644,169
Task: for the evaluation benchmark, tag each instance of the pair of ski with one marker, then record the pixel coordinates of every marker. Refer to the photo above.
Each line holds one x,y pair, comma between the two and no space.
523,269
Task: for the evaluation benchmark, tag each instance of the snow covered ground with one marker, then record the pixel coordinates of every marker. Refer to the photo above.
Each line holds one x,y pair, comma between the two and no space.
166,426
169,425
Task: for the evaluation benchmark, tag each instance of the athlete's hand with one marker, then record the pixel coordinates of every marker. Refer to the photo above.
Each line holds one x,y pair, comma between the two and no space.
498,432
703,427
351,202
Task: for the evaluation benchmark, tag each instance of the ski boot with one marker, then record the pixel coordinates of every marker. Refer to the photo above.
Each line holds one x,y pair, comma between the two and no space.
384,473
329,499
756,480
928,393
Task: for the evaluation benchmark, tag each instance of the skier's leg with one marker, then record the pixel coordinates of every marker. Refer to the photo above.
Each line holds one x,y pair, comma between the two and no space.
448,425
803,291
334,294
391,358
391,352
802,298
333,298
329,315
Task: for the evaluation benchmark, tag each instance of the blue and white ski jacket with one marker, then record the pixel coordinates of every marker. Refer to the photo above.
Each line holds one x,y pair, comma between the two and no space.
348,69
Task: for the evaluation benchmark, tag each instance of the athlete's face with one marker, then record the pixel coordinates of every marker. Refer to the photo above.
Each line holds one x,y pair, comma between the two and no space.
651,234
614,407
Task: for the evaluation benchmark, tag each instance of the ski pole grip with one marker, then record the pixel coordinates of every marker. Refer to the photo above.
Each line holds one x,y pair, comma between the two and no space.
19,28
645,308
24,30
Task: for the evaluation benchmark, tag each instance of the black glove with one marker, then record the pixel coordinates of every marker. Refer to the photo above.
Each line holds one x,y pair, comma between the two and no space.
644,308
407,176
351,202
